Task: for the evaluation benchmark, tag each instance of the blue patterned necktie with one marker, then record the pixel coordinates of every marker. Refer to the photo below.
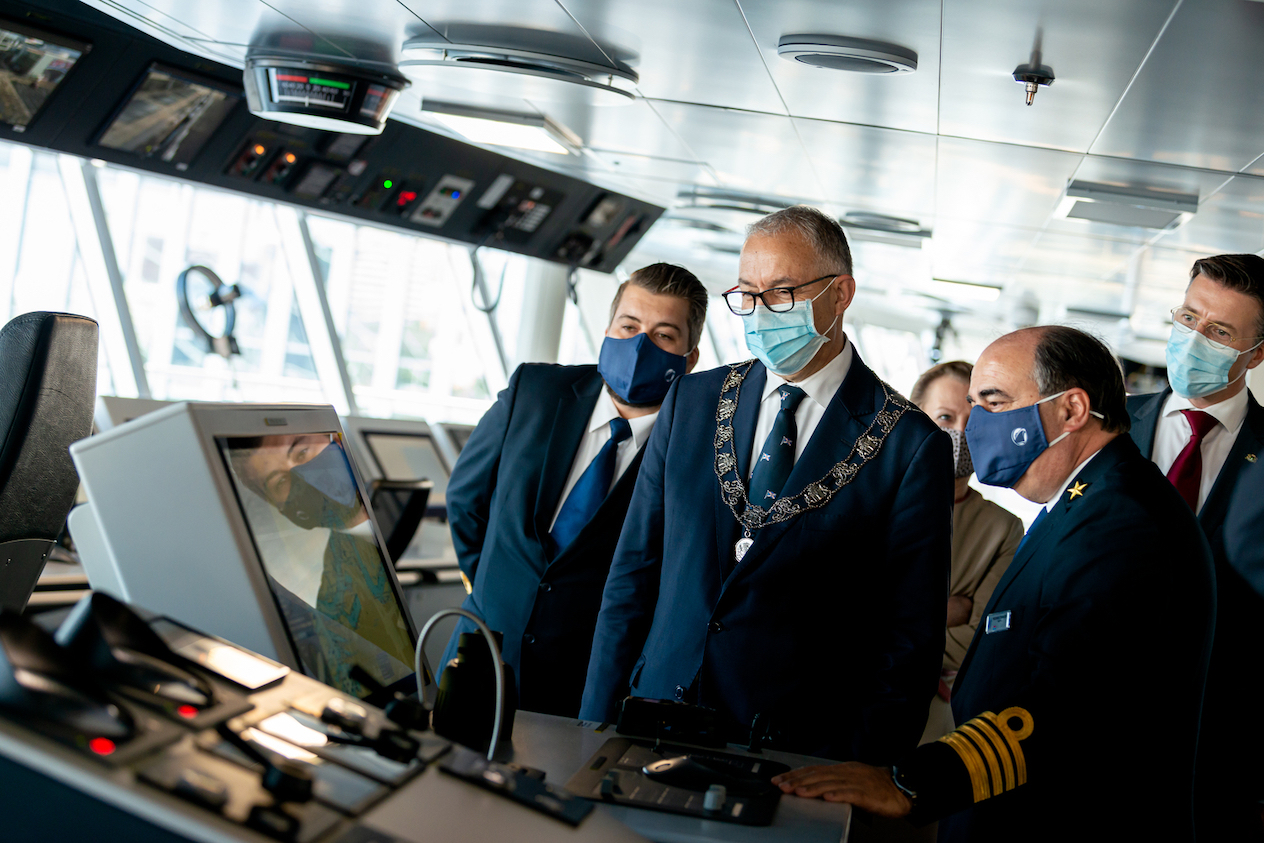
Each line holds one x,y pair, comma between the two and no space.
590,489
775,460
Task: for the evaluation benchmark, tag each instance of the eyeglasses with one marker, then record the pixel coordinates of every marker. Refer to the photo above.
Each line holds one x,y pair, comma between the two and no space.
1187,318
776,299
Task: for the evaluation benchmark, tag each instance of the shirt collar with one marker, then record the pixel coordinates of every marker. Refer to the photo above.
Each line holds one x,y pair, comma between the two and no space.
1049,505
819,386
605,412
1230,412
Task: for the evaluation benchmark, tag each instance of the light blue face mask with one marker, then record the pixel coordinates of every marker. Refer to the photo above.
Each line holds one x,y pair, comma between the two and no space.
786,342
1198,367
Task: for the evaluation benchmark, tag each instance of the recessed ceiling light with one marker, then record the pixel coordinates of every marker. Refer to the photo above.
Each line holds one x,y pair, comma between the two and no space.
528,74
881,228
856,55
1138,207
505,128
965,290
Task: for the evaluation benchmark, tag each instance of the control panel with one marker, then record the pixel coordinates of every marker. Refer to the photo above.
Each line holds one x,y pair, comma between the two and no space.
442,201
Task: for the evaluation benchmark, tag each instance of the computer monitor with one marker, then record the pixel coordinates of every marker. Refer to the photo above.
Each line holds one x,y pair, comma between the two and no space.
249,522
111,410
399,449
33,64
458,434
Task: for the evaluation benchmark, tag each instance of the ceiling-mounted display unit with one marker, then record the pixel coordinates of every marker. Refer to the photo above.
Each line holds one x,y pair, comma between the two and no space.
514,72
854,55
1137,207
321,95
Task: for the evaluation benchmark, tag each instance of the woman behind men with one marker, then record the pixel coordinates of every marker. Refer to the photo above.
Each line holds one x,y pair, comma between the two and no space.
984,536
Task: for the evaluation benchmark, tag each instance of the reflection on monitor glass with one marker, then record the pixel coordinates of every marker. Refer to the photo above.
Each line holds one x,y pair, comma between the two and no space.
32,65
169,116
323,564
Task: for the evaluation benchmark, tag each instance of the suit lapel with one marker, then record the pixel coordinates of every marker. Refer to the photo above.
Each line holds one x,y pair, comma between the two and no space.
1249,441
745,419
569,423
844,421
618,498
1147,422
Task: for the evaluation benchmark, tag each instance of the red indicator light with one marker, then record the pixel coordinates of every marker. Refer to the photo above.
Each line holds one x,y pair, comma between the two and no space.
289,77
188,712
101,746
259,149
290,158
405,197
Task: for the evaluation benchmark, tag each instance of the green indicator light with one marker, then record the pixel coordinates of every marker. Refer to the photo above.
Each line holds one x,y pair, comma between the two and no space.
346,86
388,184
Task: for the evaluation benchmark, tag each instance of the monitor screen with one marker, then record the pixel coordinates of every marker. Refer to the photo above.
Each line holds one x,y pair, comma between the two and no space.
409,456
460,434
32,65
321,558
169,115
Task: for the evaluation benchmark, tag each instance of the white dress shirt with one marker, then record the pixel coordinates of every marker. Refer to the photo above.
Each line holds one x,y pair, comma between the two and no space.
1053,501
819,388
597,435
1174,431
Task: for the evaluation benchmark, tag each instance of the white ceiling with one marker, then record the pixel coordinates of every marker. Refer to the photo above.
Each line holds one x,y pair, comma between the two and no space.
1156,93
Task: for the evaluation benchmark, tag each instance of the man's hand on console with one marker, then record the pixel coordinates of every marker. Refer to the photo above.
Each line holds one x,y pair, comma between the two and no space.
868,788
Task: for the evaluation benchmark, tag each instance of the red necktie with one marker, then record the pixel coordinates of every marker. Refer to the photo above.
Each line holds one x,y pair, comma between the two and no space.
1187,472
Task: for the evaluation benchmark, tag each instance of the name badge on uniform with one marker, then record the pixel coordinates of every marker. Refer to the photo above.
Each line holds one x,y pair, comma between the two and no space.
996,622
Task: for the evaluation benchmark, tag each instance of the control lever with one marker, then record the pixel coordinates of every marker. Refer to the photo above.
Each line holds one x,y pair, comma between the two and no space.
407,712
343,724
119,644
287,779
42,681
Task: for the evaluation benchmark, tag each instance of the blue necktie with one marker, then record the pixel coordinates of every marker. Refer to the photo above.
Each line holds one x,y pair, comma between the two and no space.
590,489
775,460
1040,516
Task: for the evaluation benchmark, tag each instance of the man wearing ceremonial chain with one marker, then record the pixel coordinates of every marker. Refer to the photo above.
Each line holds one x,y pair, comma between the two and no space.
786,553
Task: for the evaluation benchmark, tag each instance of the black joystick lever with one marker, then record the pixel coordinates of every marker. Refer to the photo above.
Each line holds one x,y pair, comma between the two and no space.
119,644
286,779
407,712
41,681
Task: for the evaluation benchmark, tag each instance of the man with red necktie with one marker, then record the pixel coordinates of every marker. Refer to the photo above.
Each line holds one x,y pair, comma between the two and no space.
1206,433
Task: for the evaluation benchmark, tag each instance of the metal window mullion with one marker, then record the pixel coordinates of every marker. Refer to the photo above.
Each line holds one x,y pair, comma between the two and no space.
105,281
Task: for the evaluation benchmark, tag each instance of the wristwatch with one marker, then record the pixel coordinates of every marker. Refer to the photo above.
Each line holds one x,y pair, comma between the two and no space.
896,779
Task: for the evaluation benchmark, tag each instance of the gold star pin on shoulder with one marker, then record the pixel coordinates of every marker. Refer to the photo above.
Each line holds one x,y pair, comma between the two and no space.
1077,490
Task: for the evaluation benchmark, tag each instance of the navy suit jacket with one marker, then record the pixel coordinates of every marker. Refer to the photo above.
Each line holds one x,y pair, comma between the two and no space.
1230,778
504,491
1110,603
831,626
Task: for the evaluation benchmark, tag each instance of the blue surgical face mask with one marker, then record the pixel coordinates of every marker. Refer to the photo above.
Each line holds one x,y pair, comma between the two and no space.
1003,445
786,342
637,370
323,492
1198,367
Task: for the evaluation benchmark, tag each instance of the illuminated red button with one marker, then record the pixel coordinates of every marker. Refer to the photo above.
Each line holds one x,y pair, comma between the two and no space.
101,746
188,712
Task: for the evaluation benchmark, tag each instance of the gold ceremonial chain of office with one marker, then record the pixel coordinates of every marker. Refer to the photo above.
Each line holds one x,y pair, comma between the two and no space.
815,495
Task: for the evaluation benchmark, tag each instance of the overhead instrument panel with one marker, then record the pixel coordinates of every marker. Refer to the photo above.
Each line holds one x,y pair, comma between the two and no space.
169,115
33,64
319,95
519,211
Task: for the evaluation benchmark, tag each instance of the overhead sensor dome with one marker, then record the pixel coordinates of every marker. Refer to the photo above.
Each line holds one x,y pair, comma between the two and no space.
855,55
524,73
320,95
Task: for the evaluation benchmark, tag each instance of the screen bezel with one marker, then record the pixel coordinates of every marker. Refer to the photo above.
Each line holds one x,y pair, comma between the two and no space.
235,92
55,38
218,421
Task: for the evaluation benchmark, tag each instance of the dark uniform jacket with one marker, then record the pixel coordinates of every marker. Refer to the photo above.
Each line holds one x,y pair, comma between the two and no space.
1080,708
831,626
502,497
1230,779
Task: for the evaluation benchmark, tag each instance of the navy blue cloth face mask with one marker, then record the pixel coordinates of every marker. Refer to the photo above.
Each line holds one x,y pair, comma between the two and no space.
637,370
322,492
1003,445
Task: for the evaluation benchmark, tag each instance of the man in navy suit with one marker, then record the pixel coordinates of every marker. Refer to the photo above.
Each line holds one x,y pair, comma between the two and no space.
1206,432
1079,696
540,490
785,557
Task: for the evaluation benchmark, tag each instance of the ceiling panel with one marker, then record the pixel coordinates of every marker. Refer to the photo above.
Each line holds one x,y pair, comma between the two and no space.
539,24
1231,220
1094,48
983,253
872,169
369,30
698,51
1001,183
752,152
901,101
1088,258
1196,102
231,22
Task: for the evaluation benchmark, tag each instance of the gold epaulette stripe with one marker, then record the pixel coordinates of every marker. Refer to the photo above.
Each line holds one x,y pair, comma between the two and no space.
989,756
974,764
990,750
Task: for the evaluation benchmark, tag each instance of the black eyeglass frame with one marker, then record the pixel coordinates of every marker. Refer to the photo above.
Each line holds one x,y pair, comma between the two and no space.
729,295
